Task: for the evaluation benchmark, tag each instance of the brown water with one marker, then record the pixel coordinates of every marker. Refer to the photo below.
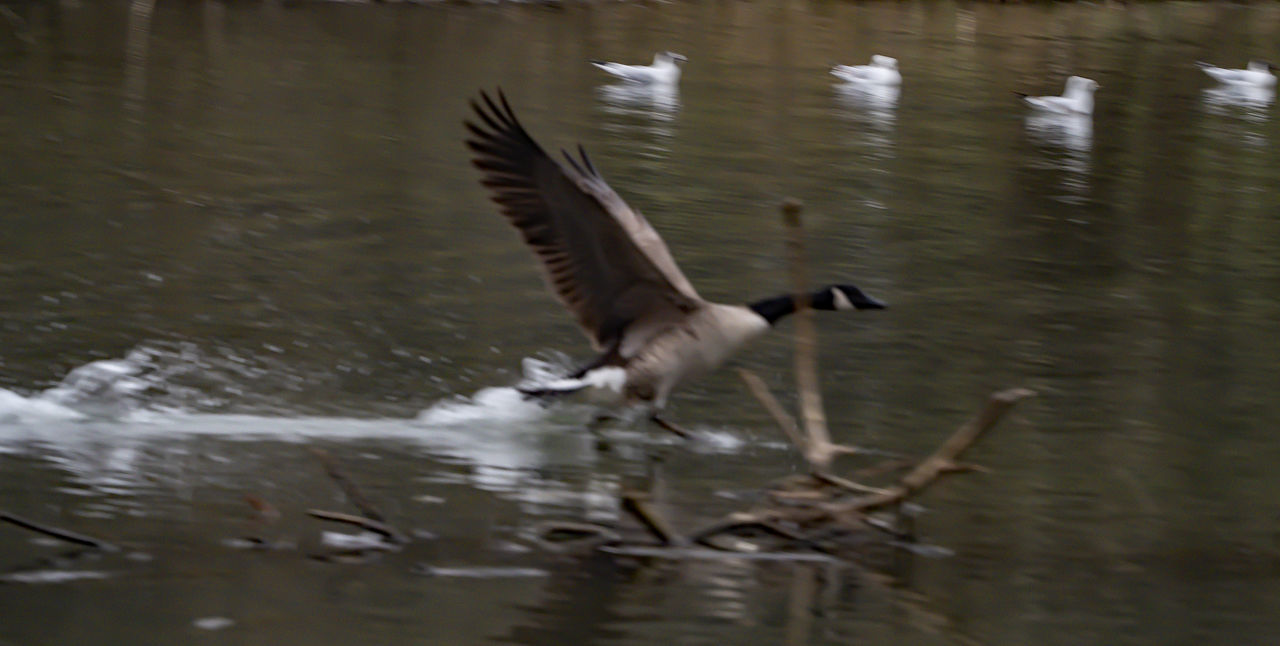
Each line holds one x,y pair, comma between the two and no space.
262,217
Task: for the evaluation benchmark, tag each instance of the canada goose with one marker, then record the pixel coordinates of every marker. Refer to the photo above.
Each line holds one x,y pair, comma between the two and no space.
664,70
1077,98
883,70
613,272
1258,73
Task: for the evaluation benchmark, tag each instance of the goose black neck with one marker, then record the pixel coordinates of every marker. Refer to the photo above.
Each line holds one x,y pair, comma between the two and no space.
775,308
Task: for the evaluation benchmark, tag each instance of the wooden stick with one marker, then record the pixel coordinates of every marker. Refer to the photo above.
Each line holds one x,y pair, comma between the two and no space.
60,534
812,416
785,421
845,483
348,486
386,531
943,459
638,506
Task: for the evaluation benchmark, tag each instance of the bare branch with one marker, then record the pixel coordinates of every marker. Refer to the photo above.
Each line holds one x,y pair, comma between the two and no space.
348,486
638,506
943,459
785,421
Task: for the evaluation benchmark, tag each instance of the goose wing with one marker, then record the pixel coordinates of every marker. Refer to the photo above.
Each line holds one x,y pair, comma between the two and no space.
602,259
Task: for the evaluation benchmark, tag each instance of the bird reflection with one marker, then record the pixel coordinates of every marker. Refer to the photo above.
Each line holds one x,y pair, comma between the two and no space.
871,105
1072,134
659,101
645,110
877,101
1254,100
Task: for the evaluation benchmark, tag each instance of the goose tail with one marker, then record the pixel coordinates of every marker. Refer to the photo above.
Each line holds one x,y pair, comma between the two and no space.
607,382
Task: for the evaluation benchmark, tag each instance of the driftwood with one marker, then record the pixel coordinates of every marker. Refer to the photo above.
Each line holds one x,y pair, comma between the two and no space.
820,511
60,534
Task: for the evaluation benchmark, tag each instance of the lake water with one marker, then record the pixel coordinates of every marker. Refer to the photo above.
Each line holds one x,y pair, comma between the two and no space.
232,233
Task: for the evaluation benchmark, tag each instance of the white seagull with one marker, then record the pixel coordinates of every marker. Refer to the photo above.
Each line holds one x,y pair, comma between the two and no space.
665,69
883,70
1258,74
1077,98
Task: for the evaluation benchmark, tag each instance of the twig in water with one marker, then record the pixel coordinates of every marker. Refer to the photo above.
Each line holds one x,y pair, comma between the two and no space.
348,486
812,416
386,531
60,534
638,506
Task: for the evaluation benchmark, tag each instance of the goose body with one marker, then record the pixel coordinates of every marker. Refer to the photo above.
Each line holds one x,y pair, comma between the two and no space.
1077,98
883,70
665,69
1257,74
614,273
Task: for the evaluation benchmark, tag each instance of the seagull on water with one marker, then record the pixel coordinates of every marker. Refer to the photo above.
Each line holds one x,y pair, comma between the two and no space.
1077,98
665,69
1258,74
883,70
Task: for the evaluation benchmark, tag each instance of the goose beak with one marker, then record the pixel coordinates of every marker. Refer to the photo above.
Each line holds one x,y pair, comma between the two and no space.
870,303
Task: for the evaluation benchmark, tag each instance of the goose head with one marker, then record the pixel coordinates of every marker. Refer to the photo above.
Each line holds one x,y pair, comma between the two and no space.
1261,66
841,298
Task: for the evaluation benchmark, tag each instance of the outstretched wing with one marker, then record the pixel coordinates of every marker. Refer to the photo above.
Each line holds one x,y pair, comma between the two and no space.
602,259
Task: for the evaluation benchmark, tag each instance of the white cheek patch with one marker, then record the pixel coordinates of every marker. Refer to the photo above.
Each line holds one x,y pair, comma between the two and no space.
841,301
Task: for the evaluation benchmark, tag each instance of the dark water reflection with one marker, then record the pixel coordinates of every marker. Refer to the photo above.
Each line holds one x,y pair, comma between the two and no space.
262,217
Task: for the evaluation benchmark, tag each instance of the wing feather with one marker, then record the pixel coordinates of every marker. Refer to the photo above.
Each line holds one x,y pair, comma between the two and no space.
601,258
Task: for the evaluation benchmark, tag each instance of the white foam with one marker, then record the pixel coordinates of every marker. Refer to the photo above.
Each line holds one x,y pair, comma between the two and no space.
16,409
52,576
361,541
489,405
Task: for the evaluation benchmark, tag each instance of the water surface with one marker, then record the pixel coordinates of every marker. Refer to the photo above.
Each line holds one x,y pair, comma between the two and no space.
254,230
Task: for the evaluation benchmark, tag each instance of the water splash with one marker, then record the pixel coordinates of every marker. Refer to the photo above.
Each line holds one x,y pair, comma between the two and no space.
489,405
501,405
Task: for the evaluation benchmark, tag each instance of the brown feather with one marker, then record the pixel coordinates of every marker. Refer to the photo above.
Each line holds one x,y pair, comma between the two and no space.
601,258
